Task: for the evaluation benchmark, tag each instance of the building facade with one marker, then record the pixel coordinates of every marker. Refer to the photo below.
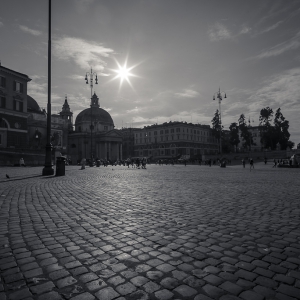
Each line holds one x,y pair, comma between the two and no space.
256,135
23,125
94,136
13,109
128,142
169,140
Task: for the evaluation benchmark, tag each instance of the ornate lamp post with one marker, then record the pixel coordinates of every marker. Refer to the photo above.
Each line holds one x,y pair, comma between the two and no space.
219,96
91,75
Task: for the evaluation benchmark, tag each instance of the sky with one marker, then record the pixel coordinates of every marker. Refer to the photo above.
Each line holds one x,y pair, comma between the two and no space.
178,52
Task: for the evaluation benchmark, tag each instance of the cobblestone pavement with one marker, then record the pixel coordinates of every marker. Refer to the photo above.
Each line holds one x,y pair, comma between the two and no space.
167,232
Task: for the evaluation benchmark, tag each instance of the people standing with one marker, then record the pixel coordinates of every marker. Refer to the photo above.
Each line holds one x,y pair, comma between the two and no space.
275,163
22,162
243,162
251,164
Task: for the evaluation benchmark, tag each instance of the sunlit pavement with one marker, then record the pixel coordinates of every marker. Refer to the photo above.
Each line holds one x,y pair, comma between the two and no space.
167,232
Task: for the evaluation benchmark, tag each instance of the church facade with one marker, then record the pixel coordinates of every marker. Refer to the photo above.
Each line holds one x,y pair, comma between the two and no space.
94,136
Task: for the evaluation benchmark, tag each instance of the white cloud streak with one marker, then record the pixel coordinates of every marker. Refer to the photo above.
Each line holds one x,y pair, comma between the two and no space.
30,31
83,53
187,93
291,44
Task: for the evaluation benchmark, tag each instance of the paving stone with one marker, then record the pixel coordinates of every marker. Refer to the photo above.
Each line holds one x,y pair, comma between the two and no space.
288,290
213,291
169,283
163,295
59,274
83,296
21,294
33,273
42,288
139,280
151,287
231,288
61,283
125,289
250,295
185,291
202,297
50,296
95,285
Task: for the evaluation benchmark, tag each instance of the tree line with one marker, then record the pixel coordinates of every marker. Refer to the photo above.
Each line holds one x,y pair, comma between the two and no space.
272,134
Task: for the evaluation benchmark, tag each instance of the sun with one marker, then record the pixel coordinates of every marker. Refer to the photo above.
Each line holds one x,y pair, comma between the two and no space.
124,73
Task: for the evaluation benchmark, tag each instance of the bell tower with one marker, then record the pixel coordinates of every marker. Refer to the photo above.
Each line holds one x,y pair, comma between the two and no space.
95,101
67,115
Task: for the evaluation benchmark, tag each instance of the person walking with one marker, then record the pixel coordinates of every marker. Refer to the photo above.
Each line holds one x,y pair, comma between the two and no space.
243,162
251,164
83,163
275,163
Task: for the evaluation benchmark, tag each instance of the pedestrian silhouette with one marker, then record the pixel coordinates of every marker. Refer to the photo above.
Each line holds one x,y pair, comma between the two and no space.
7,176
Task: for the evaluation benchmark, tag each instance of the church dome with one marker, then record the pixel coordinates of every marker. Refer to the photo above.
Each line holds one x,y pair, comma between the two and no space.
98,114
32,105
95,113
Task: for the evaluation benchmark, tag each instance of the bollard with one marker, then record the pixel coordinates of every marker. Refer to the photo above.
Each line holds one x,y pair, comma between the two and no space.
60,166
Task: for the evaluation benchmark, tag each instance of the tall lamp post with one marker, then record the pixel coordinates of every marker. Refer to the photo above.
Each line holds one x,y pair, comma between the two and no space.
219,96
48,168
91,75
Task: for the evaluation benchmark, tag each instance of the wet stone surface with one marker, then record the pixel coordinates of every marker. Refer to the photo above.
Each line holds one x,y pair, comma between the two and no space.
167,232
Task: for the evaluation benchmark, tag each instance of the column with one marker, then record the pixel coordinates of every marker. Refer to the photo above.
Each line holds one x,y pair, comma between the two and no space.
105,150
109,150
118,151
121,151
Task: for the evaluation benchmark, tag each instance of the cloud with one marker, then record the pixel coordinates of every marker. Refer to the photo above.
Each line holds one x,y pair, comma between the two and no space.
187,94
245,30
219,32
272,27
30,31
291,44
83,53
82,5
1,24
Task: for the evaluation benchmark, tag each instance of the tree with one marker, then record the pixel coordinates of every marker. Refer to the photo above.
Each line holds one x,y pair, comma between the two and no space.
281,126
246,135
234,138
216,127
266,130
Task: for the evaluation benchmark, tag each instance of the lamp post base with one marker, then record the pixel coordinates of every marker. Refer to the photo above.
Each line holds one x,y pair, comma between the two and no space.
48,169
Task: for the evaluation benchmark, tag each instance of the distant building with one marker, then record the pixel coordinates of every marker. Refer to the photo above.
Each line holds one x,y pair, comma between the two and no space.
128,142
173,139
256,135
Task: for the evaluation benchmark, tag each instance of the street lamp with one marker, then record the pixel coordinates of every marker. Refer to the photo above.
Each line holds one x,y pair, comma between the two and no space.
91,75
48,168
219,96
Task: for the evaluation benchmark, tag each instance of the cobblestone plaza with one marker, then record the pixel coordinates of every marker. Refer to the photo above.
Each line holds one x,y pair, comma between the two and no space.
167,232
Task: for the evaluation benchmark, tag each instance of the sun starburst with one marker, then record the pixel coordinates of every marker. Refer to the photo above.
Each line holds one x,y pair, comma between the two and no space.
124,73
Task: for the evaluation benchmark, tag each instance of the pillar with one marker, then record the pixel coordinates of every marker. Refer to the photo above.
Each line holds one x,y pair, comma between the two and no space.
105,150
121,151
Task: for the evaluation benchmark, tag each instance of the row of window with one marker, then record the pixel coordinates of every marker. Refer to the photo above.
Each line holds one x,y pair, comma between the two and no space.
17,86
17,104
164,139
167,131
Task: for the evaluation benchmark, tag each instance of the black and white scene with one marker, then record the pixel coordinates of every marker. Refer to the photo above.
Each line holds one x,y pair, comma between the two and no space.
149,150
